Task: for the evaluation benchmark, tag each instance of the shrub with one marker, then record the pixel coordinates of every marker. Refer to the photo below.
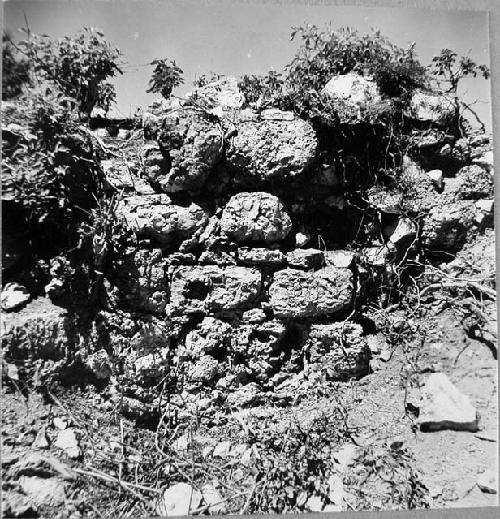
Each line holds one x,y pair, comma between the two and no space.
78,66
448,69
325,53
50,173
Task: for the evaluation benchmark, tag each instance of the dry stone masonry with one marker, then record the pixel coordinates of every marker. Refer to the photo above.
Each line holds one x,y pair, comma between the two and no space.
244,254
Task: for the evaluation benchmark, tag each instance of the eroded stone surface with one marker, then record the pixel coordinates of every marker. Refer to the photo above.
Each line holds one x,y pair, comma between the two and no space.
141,279
260,256
431,108
273,149
446,225
339,350
192,145
155,217
210,288
40,330
255,217
354,91
294,293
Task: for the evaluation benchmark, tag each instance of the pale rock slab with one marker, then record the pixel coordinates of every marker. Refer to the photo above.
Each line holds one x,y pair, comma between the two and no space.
178,500
443,406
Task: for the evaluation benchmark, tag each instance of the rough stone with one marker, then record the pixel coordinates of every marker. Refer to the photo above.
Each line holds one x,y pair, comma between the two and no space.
294,293
375,257
488,482
339,350
260,256
436,175
17,505
354,91
141,278
305,258
474,182
390,202
274,150
123,176
484,210
209,336
192,145
40,330
255,217
210,288
217,258
203,370
446,225
14,296
255,315
43,491
100,364
155,217
486,161
243,396
431,108
443,406
222,93
67,441
339,258
178,500
404,232
259,345
302,239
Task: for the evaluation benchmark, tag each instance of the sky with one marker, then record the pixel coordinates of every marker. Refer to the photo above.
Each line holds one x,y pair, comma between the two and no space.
243,37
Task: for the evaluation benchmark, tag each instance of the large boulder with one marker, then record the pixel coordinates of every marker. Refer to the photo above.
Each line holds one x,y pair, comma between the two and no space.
155,217
271,150
210,288
141,279
339,350
431,108
295,293
255,217
353,93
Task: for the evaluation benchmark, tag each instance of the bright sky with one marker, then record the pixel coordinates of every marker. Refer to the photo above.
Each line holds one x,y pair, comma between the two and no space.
238,37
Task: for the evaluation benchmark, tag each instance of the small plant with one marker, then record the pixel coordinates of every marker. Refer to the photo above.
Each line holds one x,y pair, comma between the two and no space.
205,79
166,76
448,68
267,88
